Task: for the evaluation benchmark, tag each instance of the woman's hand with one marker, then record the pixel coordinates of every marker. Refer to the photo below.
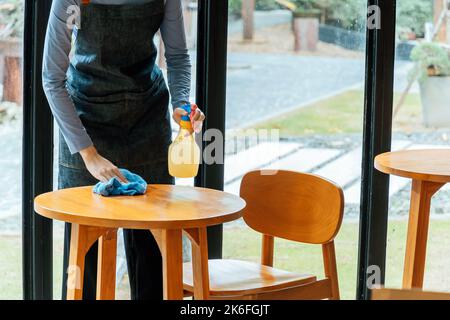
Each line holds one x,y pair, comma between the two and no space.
101,168
196,116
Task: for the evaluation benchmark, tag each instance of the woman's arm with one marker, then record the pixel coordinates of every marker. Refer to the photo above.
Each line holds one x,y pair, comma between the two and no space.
177,56
178,62
55,64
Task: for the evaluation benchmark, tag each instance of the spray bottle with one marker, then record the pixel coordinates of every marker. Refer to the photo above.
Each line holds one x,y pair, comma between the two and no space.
184,153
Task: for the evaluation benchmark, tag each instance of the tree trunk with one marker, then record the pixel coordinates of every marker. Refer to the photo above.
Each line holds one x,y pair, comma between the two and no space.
248,9
12,80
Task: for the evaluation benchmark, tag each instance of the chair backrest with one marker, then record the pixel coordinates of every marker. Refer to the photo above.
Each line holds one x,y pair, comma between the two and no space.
291,205
410,294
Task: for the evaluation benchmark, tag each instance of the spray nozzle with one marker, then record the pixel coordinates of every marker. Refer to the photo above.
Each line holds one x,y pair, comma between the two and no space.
187,108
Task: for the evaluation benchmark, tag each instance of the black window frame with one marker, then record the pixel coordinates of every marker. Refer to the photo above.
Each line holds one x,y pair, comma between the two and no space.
37,232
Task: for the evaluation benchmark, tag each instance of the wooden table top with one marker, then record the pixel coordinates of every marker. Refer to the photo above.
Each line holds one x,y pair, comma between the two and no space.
426,165
163,206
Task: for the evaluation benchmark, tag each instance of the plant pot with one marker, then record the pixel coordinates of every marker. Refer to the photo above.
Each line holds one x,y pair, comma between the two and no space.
435,97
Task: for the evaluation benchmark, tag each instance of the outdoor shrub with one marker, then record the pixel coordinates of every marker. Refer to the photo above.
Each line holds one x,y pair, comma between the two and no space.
345,14
350,14
11,18
236,5
413,14
430,58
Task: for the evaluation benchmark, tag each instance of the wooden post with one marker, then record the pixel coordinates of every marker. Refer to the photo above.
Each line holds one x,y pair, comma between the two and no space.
12,70
12,80
306,34
439,7
248,9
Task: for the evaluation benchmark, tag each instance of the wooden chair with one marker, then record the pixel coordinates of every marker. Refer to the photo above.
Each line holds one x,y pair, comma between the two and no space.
290,205
407,294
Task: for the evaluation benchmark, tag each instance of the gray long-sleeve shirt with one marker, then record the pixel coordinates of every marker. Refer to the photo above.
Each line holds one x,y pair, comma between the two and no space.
56,62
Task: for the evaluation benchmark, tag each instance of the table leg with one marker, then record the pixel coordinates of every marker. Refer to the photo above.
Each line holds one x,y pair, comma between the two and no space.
170,244
200,270
76,262
416,243
81,240
106,268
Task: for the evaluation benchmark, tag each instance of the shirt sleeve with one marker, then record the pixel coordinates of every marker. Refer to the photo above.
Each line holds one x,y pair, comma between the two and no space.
177,55
55,64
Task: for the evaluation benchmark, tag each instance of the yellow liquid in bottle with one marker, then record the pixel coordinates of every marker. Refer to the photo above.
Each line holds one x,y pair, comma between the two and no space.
184,153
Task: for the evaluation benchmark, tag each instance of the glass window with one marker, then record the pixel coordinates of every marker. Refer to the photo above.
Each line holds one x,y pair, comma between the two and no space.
11,29
421,121
295,101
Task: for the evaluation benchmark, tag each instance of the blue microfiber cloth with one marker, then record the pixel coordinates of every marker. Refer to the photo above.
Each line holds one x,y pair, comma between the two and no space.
135,186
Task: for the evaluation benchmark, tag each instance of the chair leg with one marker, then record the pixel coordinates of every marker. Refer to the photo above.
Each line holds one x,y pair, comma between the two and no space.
267,250
329,261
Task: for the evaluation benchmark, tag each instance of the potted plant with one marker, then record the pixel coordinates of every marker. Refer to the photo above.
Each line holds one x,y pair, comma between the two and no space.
11,30
432,67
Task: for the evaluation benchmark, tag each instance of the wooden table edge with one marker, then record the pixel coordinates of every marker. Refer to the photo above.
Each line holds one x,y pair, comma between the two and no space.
139,225
409,174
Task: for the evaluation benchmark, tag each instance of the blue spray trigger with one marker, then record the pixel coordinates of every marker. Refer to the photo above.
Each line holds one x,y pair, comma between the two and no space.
187,108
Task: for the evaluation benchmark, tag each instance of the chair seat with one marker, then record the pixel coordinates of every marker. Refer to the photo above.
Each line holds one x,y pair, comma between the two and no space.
234,277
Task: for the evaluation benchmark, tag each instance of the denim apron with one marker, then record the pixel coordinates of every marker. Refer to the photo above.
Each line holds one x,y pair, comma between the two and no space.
122,100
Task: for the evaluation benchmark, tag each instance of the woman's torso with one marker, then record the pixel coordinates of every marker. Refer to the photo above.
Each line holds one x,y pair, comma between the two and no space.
114,50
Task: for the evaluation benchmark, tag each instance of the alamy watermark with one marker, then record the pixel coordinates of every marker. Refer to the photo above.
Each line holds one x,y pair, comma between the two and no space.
74,17
266,143
373,17
373,277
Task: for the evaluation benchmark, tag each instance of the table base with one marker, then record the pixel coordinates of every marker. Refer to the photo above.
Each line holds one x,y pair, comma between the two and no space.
170,245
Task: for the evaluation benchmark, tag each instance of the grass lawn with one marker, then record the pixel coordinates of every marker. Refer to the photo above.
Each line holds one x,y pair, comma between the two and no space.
11,267
340,114
243,243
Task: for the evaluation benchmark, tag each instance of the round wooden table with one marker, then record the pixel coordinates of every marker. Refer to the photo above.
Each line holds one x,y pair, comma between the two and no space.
165,210
429,171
